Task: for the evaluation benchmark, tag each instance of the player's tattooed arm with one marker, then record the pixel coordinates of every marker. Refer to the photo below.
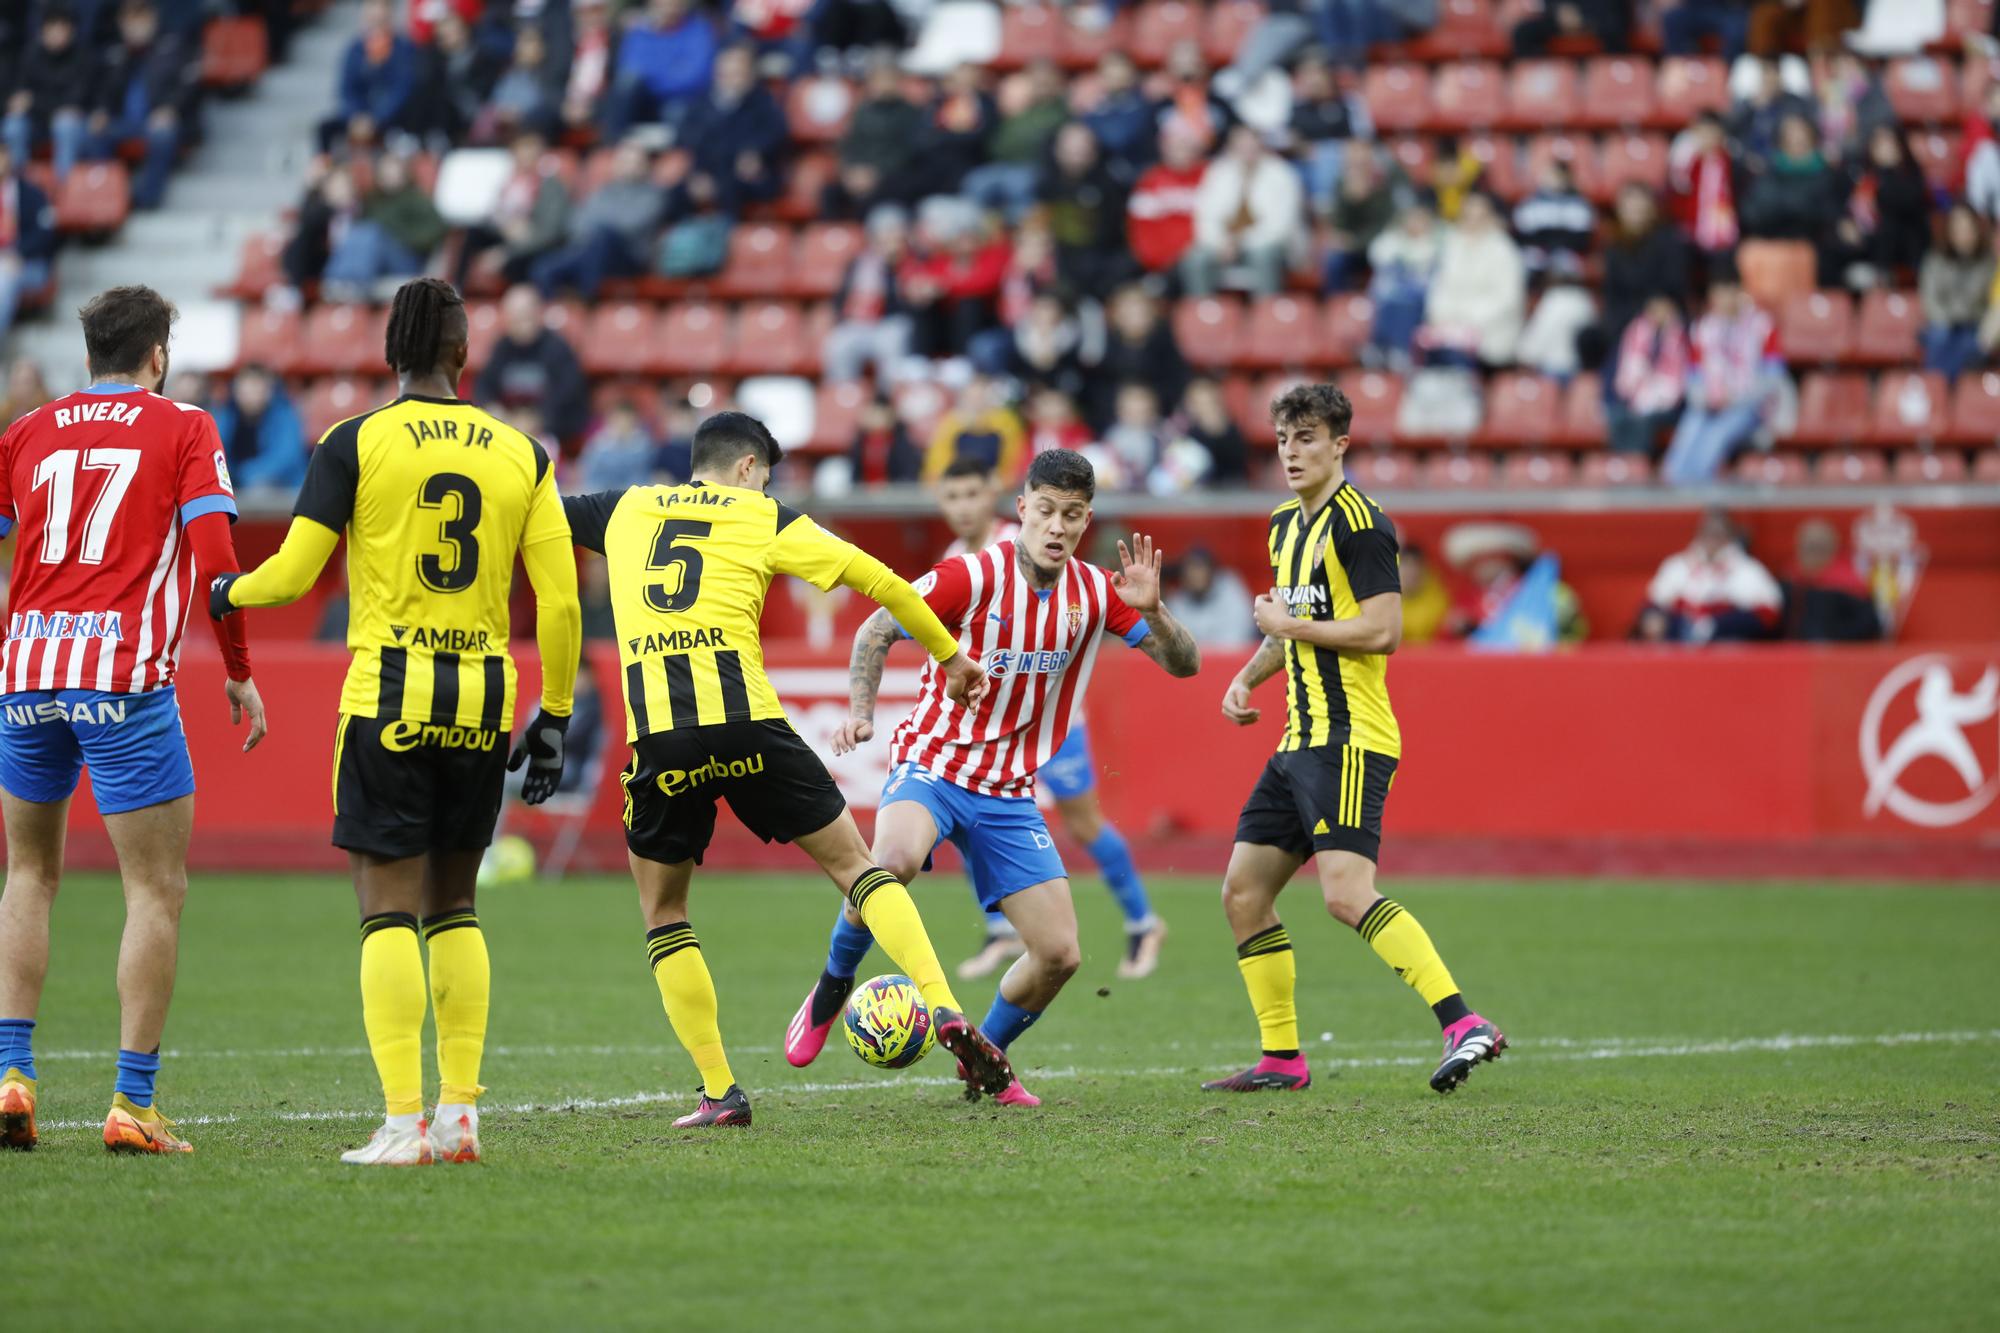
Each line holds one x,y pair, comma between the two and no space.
1170,644
1266,662
872,642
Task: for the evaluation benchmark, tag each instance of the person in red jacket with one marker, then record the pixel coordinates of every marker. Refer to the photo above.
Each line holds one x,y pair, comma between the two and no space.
1159,217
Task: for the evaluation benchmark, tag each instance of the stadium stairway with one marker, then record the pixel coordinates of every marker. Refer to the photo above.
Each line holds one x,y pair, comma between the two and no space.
245,174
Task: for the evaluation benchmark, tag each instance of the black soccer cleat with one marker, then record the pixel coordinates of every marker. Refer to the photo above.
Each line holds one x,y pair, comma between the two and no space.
1466,1043
731,1109
981,1064
1267,1075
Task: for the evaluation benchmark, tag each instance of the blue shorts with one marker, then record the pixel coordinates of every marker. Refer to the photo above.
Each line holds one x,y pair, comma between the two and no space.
133,743
1071,770
1005,842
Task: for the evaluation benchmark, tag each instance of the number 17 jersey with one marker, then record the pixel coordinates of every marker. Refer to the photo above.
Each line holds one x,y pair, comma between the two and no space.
436,497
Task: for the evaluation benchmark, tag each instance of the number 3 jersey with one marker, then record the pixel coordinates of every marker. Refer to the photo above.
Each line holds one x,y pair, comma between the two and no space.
101,485
436,497
690,566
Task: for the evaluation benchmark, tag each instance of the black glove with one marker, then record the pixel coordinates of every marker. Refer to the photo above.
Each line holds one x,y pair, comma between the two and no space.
541,749
218,596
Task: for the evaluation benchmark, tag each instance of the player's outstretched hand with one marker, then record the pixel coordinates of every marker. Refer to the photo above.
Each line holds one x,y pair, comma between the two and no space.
1138,583
541,748
1274,618
244,701
1236,705
964,680
853,734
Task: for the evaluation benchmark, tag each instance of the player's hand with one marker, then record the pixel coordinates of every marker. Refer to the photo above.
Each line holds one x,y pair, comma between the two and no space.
1236,705
244,701
853,734
964,680
541,748
1274,618
219,604
1138,582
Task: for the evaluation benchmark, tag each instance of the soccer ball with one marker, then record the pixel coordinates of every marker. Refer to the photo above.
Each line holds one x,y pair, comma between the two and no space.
888,1024
511,860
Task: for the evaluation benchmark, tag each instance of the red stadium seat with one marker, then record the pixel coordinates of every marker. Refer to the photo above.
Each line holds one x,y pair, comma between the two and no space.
270,337
482,323
1618,93
1921,467
342,340
1399,98
1833,409
1634,158
1758,468
94,199
1381,469
565,317
1209,330
1886,333
1923,91
1414,156
1458,472
1536,471
1250,403
1376,397
838,414
759,263
1579,151
1582,424
771,339
1283,331
1910,408
1542,94
1975,410
1229,23
1029,33
1520,412
1689,85
1156,27
1775,271
260,268
1937,153
619,339
825,250
805,182
234,52
1465,30
1609,469
1084,45
1986,467
818,110
1817,326
1468,96
1851,467
1349,319
1499,165
921,404
693,339
331,401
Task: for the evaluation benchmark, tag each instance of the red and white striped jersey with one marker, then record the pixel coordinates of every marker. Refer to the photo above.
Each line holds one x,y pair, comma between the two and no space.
102,484
1006,530
1038,647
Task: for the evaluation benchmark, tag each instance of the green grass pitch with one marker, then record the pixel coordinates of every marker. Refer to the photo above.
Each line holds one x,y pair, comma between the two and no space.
1727,1106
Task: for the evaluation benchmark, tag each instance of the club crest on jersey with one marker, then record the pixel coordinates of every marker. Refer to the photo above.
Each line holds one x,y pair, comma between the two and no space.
1005,662
1073,617
1319,553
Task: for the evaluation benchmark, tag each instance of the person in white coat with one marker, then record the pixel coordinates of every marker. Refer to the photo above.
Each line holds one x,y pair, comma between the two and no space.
1249,220
1479,299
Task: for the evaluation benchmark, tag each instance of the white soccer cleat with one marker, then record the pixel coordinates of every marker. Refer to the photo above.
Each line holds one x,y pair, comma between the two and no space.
393,1145
454,1133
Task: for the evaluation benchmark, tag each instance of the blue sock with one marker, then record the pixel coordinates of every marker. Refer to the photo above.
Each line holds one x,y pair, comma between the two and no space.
1114,858
17,1045
136,1072
848,946
1006,1021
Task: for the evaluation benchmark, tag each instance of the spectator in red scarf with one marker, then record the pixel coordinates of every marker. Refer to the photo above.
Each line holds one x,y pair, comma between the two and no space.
593,55
1159,217
882,451
1649,378
1886,224
1713,592
1826,598
27,239
952,284
1733,370
529,220
871,321
1703,182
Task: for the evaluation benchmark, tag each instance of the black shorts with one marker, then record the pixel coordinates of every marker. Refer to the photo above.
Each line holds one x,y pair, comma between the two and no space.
1327,799
407,788
775,784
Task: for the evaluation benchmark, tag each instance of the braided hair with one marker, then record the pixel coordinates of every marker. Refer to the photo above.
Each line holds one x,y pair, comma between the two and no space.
427,316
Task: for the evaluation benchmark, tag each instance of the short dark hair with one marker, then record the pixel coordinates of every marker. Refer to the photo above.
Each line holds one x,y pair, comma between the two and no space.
1314,402
427,316
966,466
726,437
1062,470
122,326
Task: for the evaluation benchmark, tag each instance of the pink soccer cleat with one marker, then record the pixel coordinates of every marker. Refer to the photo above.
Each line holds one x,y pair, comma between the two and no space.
1016,1095
1269,1074
805,1039
1467,1042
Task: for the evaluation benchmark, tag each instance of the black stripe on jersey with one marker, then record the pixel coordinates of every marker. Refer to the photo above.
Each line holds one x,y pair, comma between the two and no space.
787,516
496,693
1302,542
1332,689
444,689
680,690
389,693
635,696
735,695
541,460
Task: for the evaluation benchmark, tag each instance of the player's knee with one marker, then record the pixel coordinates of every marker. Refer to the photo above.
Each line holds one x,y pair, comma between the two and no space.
1240,898
1061,962
162,893
1349,894
33,885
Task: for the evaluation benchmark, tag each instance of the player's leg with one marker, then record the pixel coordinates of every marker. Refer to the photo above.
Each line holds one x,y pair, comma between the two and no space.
1045,918
461,986
35,835
1257,874
686,989
1070,777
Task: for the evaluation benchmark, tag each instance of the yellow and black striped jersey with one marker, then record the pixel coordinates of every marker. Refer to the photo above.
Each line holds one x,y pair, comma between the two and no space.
690,566
436,497
1325,565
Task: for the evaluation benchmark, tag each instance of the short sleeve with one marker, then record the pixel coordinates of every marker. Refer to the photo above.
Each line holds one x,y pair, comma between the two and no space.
203,485
589,516
7,516
1122,620
1369,557
806,550
332,476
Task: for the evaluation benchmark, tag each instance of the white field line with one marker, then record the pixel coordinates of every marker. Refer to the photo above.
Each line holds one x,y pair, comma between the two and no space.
1610,1048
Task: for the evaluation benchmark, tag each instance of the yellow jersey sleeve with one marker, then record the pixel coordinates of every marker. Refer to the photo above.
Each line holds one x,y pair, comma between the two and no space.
804,549
546,520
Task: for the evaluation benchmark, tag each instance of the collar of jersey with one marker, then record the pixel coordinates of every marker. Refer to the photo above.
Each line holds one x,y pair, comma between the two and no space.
111,388
423,398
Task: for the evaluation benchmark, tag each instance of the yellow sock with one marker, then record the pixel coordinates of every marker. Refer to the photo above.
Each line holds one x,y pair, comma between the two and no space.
689,994
891,917
461,982
1270,974
392,1007
1404,945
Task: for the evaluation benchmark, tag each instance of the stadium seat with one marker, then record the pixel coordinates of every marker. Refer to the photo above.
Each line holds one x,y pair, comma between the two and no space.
259,269
1209,330
331,401
1541,94
1029,33
818,323
818,109
1910,408
1887,330
1376,397
1282,331
1579,151
1399,98
1084,44
94,199
1471,95
1458,472
921,403
1582,424
1758,468
1536,471
1923,91
837,415
1520,412
1250,404
1937,153
759,263
1817,327
1986,467
805,182
1465,30
1851,467
1975,410
1634,158
1832,410
1775,271
1618,93
270,337
693,339
1499,165
1381,469
1609,469
1922,467
620,339
1414,156
1230,22
1349,319
771,339
342,340
1157,26
1689,85
824,251
234,52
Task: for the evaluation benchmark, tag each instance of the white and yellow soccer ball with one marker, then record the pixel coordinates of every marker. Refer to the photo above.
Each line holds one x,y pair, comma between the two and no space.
888,1024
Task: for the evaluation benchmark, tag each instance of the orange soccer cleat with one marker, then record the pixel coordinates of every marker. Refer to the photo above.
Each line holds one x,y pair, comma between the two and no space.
17,1111
140,1129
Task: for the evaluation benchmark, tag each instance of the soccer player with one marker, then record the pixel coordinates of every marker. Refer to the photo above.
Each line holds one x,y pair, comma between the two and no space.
690,567
966,496
1331,620
122,503
435,497
966,770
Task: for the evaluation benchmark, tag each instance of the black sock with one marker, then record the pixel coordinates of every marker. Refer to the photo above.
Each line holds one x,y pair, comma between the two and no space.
1281,1055
829,995
1450,1009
